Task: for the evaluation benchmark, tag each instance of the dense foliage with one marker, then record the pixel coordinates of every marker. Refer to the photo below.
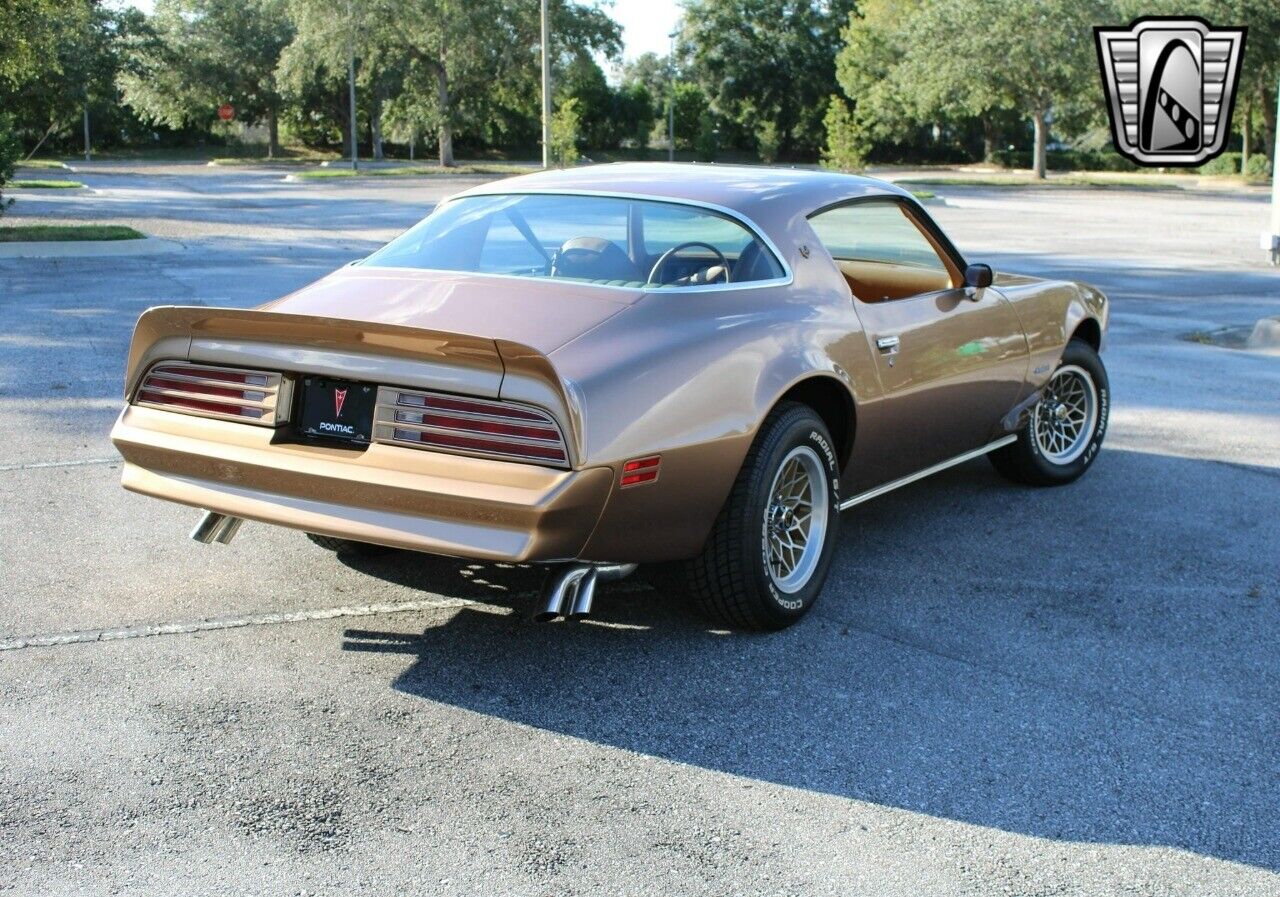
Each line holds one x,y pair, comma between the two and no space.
1008,81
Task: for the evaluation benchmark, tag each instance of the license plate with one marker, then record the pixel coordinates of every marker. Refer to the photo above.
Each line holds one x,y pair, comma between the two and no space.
337,409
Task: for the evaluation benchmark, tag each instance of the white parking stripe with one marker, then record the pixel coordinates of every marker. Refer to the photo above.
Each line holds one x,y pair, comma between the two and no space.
51,639
36,465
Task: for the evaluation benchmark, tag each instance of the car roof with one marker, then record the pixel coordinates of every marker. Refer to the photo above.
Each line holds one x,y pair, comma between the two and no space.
769,196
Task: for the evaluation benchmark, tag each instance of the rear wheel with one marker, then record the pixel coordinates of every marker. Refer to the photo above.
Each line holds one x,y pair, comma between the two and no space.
1062,437
769,551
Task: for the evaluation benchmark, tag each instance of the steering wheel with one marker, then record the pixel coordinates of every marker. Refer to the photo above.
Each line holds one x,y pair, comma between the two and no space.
656,272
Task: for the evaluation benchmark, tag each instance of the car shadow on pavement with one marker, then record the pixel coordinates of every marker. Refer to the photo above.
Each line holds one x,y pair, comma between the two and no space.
1094,663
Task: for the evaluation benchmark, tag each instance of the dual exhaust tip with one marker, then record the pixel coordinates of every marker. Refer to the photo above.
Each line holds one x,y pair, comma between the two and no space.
215,527
570,589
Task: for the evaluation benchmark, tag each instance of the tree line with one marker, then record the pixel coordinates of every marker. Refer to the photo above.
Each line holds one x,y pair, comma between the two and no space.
848,83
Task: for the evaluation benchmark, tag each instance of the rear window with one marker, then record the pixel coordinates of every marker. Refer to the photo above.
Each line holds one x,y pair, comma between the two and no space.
593,239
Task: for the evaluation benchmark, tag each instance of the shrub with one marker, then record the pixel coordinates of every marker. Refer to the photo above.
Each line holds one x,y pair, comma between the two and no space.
768,140
1259,166
846,147
1067,160
565,125
1227,163
708,143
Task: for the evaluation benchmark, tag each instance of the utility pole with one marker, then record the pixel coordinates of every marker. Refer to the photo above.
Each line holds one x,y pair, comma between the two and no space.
671,99
86,127
1271,241
546,89
351,97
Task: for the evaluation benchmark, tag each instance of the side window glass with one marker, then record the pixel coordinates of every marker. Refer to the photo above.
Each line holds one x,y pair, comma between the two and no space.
882,253
716,240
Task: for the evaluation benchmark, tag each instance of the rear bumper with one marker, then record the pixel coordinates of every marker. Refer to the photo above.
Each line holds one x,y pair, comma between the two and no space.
403,497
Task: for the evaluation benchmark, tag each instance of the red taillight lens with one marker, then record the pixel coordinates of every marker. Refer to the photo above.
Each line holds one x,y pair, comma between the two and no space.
481,427
640,470
208,391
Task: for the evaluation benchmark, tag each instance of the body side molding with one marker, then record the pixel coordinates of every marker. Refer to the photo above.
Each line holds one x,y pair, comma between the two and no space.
928,471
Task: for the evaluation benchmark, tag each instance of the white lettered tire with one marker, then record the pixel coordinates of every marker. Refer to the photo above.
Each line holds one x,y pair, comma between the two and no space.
769,552
1064,433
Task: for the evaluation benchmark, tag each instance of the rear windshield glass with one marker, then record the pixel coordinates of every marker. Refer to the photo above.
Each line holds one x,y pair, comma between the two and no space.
592,239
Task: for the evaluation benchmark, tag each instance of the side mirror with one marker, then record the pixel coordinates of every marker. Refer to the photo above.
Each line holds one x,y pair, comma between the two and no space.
978,277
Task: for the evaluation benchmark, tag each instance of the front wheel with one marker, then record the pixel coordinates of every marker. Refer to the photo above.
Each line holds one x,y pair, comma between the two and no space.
767,557
1061,439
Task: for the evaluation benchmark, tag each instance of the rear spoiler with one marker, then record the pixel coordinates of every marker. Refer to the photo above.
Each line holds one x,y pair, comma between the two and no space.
360,350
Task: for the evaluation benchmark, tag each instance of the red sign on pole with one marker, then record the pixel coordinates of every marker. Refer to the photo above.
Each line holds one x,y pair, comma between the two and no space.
226,112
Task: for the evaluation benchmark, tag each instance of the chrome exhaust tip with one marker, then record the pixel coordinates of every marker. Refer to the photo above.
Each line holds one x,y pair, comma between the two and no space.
215,527
585,593
569,589
558,590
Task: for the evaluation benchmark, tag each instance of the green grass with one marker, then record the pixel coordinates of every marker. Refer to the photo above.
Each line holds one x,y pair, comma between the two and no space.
43,233
923,194
41,163
43,185
320,174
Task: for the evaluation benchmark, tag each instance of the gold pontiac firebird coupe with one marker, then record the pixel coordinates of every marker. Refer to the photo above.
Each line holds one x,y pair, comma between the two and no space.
615,365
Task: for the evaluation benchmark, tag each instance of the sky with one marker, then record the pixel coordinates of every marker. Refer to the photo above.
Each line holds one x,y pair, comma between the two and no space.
645,23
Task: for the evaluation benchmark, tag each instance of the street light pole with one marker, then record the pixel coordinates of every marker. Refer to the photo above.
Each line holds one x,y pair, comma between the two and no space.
351,97
86,127
1272,240
671,99
546,90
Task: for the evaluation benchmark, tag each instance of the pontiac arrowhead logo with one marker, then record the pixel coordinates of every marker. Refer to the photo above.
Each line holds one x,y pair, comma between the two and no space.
1170,85
339,399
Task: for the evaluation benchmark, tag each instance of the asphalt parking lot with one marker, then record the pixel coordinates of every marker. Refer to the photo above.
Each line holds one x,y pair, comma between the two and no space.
1003,690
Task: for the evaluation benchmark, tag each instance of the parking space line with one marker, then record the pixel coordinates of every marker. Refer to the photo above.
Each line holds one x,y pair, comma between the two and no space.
36,465
82,636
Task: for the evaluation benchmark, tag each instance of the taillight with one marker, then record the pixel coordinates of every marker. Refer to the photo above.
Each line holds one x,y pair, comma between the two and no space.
466,426
251,397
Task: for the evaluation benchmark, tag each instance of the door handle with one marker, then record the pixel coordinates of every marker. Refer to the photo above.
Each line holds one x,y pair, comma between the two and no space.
887,343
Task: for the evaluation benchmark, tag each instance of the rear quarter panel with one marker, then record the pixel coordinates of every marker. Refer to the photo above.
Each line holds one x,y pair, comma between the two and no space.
690,377
1050,311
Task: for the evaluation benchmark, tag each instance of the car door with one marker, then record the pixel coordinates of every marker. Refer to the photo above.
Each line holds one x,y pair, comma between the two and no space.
950,360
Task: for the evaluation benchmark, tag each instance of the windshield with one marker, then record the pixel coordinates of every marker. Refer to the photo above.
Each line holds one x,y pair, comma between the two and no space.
591,239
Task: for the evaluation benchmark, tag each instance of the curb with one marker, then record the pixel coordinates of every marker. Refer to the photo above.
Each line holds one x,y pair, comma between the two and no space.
54,249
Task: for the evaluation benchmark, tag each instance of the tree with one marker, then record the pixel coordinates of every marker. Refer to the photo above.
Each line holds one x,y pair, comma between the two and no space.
875,41
29,34
691,105
57,62
1260,67
463,66
1033,57
766,61
650,70
200,54
29,31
